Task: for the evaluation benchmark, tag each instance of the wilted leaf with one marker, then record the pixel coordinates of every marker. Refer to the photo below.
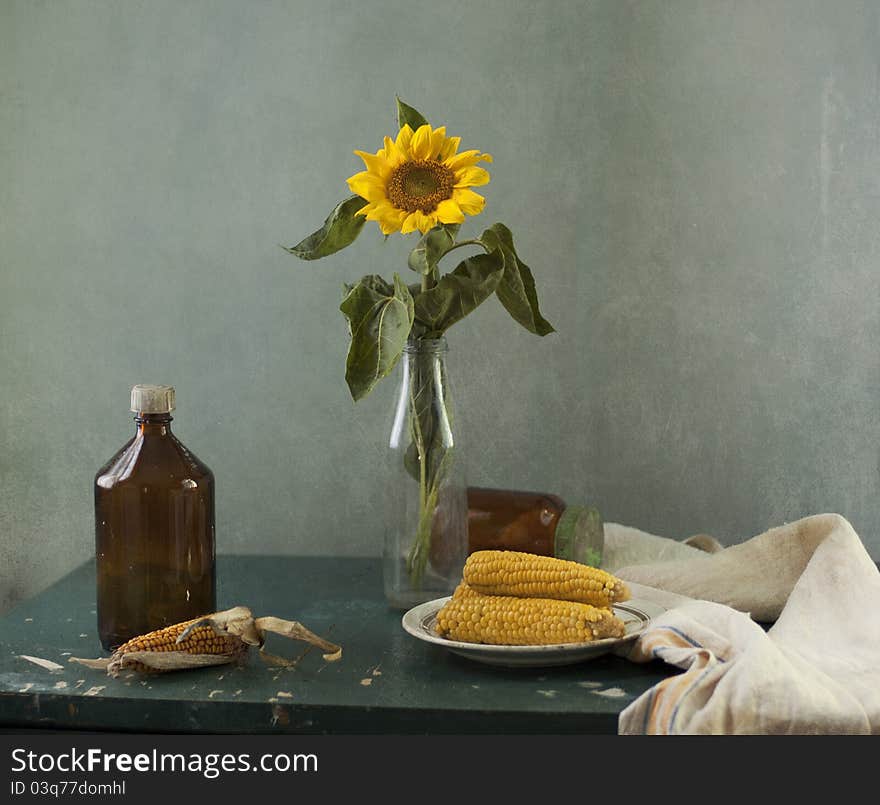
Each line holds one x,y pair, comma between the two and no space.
458,293
339,230
516,291
431,248
380,317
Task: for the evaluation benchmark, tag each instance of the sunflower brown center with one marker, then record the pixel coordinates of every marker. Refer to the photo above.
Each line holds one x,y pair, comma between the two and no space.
420,185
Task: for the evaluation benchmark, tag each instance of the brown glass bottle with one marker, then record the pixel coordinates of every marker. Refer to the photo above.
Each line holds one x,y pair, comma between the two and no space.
154,528
534,522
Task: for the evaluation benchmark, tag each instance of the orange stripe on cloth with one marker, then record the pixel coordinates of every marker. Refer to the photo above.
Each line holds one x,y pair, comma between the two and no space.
665,698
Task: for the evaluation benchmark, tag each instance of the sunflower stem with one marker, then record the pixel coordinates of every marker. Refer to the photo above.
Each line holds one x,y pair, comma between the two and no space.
470,242
431,279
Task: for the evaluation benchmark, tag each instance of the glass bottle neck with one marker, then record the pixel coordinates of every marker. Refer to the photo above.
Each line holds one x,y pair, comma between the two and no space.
153,424
426,346
425,355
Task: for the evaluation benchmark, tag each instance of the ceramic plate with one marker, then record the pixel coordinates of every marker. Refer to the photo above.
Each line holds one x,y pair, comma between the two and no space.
420,620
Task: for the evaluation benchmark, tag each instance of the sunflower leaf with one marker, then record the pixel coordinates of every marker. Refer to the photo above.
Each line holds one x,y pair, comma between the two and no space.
380,317
458,293
340,229
406,114
516,290
430,249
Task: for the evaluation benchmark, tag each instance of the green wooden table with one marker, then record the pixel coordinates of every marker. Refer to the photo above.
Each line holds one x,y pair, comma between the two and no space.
386,683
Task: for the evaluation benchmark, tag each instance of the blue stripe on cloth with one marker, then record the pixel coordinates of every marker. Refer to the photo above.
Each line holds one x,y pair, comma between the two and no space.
649,705
682,635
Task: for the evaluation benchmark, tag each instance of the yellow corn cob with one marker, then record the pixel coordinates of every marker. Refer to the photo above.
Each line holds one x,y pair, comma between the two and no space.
472,617
529,575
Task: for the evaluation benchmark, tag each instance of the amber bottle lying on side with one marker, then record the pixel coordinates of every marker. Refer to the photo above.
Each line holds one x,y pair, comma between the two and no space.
534,522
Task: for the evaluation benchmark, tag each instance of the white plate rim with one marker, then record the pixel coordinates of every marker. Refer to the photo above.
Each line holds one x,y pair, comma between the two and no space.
413,623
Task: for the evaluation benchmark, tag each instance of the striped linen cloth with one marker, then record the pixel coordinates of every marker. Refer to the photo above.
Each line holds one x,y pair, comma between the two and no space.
815,670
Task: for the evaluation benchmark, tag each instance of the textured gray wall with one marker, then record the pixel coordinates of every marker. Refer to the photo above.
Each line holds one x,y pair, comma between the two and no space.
695,184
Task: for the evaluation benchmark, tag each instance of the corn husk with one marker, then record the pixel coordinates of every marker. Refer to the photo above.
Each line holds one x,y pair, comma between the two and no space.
237,623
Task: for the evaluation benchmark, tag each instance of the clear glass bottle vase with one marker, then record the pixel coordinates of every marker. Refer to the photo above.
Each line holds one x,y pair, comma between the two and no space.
426,500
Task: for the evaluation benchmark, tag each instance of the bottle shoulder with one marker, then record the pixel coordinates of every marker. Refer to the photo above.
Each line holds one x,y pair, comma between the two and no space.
111,462
155,461
190,459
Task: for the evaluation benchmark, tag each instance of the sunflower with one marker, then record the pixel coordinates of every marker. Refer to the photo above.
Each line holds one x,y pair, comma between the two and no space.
419,180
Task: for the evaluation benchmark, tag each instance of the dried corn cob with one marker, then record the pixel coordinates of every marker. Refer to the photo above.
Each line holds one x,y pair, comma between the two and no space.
529,575
472,617
200,640
215,639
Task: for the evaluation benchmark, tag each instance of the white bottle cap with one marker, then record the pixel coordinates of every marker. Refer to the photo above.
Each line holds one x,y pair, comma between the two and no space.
148,399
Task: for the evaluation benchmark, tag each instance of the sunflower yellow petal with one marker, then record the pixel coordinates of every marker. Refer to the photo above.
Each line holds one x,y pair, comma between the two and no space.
409,224
450,146
463,160
376,163
471,203
404,138
466,159
393,155
418,220
380,210
367,186
420,146
388,218
373,210
425,222
448,212
471,177
438,138
389,227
